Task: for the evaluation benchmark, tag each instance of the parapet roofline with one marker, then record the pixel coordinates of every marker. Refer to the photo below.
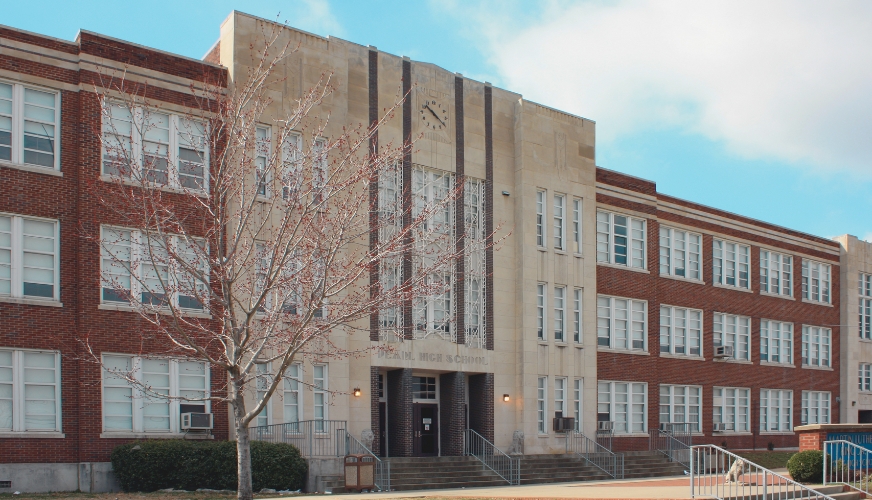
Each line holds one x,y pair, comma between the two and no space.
40,35
145,47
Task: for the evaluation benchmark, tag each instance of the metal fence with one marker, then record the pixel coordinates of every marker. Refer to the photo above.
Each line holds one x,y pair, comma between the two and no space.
596,454
673,440
717,473
848,464
508,468
382,468
314,438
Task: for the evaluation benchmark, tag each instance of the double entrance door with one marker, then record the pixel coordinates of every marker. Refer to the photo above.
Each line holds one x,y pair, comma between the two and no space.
425,429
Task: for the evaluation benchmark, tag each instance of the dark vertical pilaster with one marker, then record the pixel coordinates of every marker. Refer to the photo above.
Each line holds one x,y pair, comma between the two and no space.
489,218
373,192
375,417
459,218
481,404
451,413
399,385
407,192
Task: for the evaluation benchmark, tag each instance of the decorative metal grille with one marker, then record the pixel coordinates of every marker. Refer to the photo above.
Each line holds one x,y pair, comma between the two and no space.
390,222
474,262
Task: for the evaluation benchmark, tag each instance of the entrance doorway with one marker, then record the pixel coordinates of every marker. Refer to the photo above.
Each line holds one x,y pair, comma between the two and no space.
425,429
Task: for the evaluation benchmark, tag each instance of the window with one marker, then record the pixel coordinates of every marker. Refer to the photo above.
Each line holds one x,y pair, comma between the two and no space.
540,404
139,269
559,222
559,313
680,253
626,404
475,262
540,311
577,401
576,226
263,380
731,263
776,275
734,331
776,410
680,331
30,391
320,173
815,281
424,388
29,257
293,402
540,218
776,341
816,342
576,316
865,306
815,408
29,125
321,396
621,323
263,150
560,397
681,404
620,240
160,148
731,408
165,389
866,377
292,159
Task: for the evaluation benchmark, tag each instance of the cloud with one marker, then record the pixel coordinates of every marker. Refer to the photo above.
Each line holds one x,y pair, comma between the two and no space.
868,237
781,80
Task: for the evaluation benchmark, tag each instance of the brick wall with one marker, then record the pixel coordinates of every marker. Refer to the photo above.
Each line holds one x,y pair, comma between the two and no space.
451,414
375,414
399,408
481,404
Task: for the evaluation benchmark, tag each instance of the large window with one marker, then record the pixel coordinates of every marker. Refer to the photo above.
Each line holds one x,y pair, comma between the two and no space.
160,148
816,342
263,380
577,402
164,389
576,225
140,269
680,331
621,323
680,253
776,342
30,391
541,409
540,311
776,410
540,218
262,153
865,322
576,316
626,404
681,404
815,407
560,397
321,396
559,222
293,401
620,240
559,313
776,273
29,258
815,281
29,125
475,269
733,331
731,263
731,407
866,377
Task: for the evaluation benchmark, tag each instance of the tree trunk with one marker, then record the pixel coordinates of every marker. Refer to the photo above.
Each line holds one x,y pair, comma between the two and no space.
243,462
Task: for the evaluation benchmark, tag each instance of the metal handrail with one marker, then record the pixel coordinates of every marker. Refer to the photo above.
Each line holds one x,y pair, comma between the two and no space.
717,473
596,454
314,438
676,446
382,468
848,464
508,468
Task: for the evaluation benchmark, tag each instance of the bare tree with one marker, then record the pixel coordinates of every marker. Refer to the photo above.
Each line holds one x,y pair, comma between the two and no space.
239,244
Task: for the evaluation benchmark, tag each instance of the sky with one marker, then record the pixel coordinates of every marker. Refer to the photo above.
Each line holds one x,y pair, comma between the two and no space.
759,108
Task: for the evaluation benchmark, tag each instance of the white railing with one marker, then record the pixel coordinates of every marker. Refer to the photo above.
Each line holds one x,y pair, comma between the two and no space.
848,464
674,441
314,438
508,468
717,473
382,468
596,454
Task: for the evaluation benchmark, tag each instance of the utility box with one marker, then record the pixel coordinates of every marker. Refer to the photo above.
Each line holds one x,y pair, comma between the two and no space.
359,472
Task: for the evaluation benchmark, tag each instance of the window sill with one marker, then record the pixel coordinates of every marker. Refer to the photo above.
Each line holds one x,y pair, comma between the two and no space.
626,268
777,433
32,168
631,434
817,303
623,351
32,435
776,295
777,365
31,302
541,249
141,435
679,278
735,361
731,433
821,368
168,189
868,341
681,356
578,255
731,287
165,312
560,252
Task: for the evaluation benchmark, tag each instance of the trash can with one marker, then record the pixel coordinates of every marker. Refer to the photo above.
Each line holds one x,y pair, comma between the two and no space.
359,472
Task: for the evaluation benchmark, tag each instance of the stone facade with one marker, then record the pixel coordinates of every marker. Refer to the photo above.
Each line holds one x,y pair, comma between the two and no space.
856,343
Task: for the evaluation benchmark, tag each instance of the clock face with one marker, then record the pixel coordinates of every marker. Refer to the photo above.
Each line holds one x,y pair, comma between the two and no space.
434,115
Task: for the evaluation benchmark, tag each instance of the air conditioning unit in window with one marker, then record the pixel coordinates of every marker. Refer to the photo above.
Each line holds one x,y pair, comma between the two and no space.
196,421
723,351
666,427
563,424
722,427
605,425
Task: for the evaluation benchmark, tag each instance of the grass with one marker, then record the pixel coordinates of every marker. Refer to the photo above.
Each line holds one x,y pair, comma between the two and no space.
768,459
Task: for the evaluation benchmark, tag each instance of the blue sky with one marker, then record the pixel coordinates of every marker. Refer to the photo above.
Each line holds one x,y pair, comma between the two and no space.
763,109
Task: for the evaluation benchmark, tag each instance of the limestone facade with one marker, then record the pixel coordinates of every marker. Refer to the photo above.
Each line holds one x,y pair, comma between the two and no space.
856,390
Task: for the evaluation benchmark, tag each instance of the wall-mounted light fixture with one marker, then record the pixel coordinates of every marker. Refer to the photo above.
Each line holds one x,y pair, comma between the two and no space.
357,392
505,193
853,403
506,398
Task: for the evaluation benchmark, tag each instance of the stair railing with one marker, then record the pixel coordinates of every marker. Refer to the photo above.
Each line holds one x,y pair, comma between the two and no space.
314,438
597,455
674,442
503,465
848,464
717,473
382,478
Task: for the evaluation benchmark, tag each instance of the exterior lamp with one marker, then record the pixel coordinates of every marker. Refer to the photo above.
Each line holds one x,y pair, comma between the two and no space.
357,392
506,398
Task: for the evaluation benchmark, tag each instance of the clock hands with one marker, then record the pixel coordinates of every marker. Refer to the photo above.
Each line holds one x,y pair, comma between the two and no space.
435,115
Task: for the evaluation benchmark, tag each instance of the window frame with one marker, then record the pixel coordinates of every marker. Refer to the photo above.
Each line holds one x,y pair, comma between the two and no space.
808,344
541,213
541,312
577,213
324,391
821,410
16,263
578,403
630,422
688,405
630,321
669,255
720,318
781,413
263,377
542,405
865,372
578,315
293,384
768,342
18,397
784,261
721,279
561,396
807,284
559,218
865,302
17,131
608,240
560,313
723,407
688,335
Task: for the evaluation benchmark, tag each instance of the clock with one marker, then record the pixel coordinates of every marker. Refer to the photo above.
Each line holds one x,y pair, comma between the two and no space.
434,115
